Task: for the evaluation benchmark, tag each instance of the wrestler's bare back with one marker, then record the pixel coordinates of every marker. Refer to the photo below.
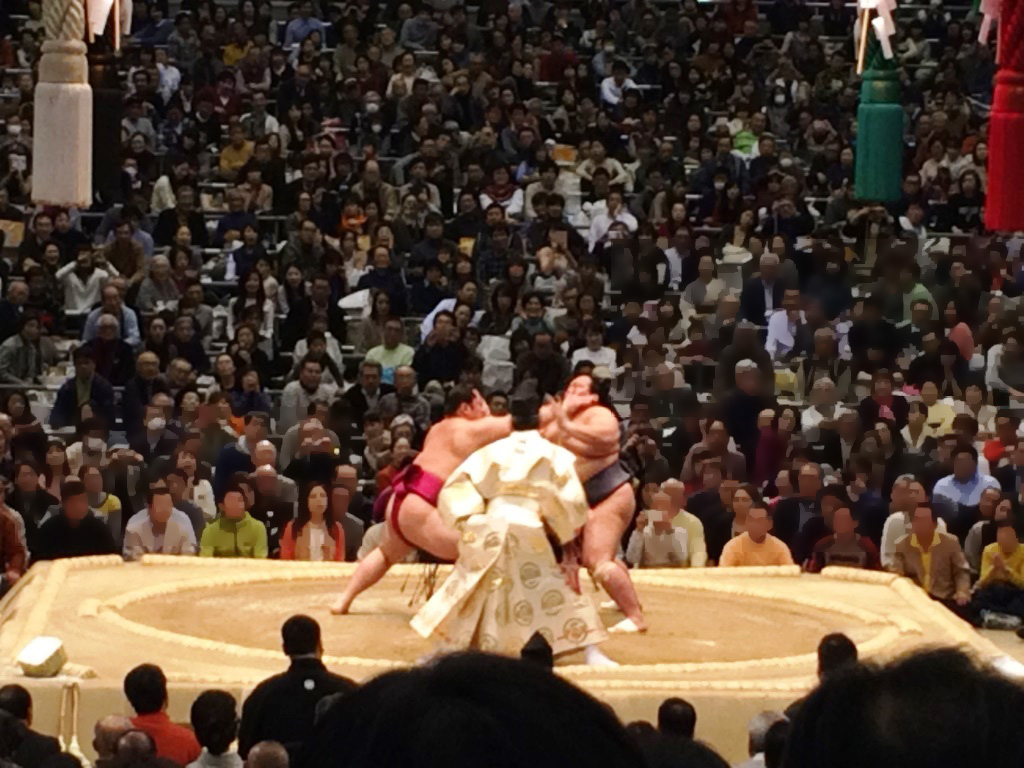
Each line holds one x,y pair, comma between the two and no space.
451,441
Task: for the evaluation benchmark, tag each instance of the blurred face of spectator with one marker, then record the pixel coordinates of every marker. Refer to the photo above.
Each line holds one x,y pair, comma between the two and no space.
147,366
809,480
76,507
443,328
27,479
92,478
310,375
179,372
405,380
964,466
162,504
393,333
1007,539
758,524
234,505
923,525
255,431
369,377
106,328
843,523
112,301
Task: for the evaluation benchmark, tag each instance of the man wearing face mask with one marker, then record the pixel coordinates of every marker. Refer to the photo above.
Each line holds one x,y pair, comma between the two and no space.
91,448
156,441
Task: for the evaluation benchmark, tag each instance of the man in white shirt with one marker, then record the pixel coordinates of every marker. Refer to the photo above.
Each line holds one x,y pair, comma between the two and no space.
784,326
595,352
159,528
824,409
83,282
602,222
656,542
614,88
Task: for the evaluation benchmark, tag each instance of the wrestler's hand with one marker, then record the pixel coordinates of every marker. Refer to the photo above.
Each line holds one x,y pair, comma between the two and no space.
570,565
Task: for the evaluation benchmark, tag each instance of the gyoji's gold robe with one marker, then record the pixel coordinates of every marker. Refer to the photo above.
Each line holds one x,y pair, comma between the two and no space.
505,500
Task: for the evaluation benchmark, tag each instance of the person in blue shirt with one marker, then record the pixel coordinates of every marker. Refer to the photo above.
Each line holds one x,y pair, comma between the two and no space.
301,28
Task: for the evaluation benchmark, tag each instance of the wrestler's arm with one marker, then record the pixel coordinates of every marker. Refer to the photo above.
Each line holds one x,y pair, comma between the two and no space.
592,434
488,429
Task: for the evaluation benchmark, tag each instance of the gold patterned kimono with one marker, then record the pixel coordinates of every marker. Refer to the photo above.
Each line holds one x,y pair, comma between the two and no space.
505,500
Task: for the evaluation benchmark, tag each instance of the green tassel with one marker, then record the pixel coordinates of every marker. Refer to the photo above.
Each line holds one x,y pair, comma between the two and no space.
879,167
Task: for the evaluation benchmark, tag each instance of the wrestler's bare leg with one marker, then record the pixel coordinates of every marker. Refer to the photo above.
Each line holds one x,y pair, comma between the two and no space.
372,569
605,526
423,526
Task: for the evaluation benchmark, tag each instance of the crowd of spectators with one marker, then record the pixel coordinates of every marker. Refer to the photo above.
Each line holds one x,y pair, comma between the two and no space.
327,214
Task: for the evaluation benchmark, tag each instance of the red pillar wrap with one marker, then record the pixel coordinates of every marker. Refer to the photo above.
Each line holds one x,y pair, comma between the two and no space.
1004,204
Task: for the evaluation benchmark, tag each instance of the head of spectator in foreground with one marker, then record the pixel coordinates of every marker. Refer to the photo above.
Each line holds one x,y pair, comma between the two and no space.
835,652
106,734
214,718
267,754
468,710
145,687
757,730
300,638
677,717
17,701
935,708
965,462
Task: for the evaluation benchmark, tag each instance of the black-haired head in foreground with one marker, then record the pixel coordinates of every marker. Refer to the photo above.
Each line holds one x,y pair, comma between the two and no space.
466,711
936,709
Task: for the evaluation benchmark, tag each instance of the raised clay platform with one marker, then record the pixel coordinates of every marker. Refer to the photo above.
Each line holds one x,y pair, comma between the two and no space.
732,641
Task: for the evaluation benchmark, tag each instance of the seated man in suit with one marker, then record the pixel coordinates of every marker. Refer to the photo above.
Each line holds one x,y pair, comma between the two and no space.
935,562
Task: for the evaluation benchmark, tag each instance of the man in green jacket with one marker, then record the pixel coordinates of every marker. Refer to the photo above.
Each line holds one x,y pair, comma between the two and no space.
235,533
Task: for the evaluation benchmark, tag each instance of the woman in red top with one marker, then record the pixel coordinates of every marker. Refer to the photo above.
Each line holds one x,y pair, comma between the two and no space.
313,535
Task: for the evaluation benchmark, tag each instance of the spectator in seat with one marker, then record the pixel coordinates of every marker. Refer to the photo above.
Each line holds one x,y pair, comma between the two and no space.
140,389
844,546
159,528
384,277
35,747
935,562
966,484
282,708
392,352
270,508
30,500
214,718
763,294
113,303
314,535
655,541
26,356
237,456
183,214
74,531
235,533
440,356
145,687
677,717
86,387
309,387
406,400
115,359
755,546
1000,588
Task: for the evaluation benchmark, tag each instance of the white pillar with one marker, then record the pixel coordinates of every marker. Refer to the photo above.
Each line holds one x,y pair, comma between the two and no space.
62,134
